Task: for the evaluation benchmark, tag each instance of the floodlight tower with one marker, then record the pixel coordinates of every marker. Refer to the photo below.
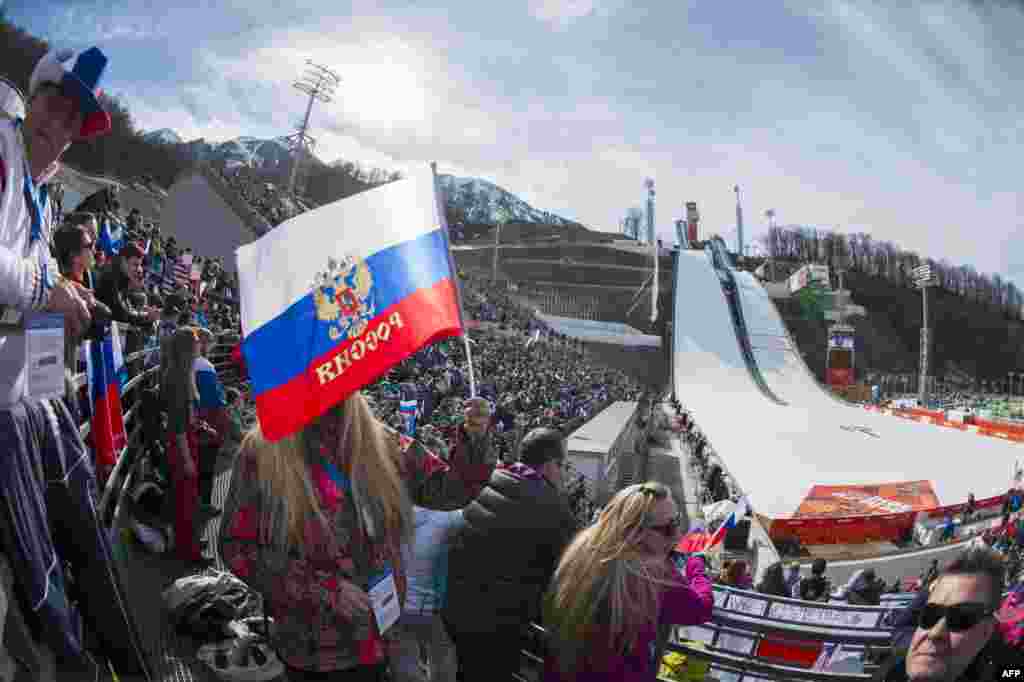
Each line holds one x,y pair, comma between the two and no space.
739,223
649,184
319,83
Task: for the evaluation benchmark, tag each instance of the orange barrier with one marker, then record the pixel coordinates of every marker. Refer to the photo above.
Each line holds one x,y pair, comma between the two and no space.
849,530
854,530
983,427
987,503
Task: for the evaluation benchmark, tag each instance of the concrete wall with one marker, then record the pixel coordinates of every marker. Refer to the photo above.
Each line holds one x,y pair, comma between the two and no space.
196,216
902,565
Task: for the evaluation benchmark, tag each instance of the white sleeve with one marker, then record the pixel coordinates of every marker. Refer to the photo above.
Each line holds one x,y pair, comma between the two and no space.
454,520
21,281
22,284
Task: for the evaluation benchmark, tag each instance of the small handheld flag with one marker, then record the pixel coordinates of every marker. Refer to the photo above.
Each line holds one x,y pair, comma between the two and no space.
106,368
719,536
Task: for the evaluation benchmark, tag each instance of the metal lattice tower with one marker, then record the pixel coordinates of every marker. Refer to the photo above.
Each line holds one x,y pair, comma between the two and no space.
319,83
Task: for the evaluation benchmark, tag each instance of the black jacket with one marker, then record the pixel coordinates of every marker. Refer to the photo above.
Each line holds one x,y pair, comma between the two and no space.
112,290
502,561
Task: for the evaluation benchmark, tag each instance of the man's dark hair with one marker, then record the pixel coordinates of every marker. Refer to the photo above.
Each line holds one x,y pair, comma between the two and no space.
818,566
981,562
80,218
541,446
67,243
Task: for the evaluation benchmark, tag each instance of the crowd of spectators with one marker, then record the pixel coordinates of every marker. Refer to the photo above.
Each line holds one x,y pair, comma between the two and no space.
610,590
531,376
266,198
716,484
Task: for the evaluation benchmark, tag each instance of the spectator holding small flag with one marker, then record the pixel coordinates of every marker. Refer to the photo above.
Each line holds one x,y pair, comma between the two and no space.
616,592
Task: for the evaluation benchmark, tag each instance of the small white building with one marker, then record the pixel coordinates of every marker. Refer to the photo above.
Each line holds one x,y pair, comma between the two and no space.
591,445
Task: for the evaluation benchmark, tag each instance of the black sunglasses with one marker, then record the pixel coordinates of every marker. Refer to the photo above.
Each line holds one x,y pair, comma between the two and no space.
959,617
668,529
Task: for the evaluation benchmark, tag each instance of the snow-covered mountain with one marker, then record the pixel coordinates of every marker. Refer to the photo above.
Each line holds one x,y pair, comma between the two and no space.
163,136
253,151
484,202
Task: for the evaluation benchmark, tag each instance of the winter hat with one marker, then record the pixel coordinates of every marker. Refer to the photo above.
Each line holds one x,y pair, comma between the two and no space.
78,74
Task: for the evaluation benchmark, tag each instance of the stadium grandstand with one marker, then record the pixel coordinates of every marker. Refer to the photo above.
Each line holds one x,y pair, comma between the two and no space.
712,401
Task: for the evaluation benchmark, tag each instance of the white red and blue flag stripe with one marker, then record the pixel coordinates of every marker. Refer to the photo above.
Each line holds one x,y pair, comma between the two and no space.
106,370
211,391
333,298
111,237
738,513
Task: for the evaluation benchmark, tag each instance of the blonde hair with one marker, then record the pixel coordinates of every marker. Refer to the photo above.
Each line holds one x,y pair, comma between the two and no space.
378,488
606,587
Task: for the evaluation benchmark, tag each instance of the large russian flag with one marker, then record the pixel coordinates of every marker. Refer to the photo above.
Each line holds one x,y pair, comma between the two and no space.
105,367
333,298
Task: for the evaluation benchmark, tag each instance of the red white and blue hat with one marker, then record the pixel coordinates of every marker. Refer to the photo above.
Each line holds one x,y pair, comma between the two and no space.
78,74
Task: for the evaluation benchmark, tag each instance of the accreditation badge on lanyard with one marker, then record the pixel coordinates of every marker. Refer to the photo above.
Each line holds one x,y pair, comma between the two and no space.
382,589
44,354
42,334
384,598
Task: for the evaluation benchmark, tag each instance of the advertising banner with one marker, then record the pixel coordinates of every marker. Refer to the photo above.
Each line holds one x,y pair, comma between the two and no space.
829,501
843,530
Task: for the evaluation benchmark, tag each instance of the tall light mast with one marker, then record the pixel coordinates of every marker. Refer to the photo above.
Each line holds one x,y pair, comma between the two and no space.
319,83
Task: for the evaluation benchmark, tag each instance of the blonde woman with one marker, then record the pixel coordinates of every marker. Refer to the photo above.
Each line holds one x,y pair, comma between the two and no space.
616,592
315,519
179,394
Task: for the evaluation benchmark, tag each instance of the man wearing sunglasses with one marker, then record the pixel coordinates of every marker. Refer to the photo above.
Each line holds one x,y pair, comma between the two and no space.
957,636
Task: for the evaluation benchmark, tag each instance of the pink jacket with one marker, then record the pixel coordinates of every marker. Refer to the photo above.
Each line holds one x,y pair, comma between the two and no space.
689,602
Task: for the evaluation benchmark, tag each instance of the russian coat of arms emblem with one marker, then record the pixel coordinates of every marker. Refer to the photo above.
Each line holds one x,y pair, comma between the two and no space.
343,295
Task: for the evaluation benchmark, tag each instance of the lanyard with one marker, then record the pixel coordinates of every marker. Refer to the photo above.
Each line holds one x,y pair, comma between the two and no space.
36,200
340,479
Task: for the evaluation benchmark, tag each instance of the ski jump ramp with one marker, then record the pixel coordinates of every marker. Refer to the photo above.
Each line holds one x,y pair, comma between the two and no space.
777,430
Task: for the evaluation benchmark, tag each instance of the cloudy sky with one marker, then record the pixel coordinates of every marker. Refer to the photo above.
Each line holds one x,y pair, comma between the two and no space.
902,123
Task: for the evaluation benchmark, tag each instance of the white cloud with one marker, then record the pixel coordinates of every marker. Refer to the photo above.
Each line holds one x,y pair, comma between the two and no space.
902,121
561,12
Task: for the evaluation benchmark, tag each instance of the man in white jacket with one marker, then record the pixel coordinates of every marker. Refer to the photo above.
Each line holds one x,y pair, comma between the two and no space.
46,472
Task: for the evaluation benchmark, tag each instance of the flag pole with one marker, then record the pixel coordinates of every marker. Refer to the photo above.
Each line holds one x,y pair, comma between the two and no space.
455,276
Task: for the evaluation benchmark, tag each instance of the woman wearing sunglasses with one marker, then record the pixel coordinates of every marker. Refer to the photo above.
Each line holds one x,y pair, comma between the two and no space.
616,592
957,637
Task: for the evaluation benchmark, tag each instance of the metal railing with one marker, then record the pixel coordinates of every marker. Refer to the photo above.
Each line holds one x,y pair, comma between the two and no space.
121,476
743,622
